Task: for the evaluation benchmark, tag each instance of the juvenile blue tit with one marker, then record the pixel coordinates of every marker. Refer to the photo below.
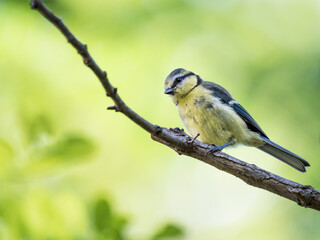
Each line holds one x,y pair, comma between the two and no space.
208,109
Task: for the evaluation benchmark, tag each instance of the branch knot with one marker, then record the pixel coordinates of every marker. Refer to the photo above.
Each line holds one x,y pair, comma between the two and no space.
157,130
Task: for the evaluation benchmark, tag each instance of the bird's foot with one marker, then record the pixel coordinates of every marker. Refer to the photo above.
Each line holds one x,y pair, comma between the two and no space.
218,148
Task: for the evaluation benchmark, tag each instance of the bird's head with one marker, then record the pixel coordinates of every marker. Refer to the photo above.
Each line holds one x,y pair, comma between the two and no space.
180,82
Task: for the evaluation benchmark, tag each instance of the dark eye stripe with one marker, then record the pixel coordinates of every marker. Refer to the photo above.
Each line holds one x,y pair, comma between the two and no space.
177,80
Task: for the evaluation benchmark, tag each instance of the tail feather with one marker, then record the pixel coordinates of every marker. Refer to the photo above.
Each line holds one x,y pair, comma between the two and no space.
284,155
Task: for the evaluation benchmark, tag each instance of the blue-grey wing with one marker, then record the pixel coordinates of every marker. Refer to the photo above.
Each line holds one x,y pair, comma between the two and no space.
251,123
226,98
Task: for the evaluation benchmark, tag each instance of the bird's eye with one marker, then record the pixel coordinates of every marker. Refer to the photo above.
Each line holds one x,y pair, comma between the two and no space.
179,79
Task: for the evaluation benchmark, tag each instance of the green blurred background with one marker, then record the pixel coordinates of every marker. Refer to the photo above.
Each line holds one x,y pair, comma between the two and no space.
69,169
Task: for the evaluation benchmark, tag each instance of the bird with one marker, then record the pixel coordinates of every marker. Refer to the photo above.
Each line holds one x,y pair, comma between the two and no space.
209,112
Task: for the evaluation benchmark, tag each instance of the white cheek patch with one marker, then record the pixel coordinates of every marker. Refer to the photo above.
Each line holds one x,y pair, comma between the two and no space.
168,83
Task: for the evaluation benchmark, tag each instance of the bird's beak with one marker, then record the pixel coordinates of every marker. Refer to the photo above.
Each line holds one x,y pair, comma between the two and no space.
169,91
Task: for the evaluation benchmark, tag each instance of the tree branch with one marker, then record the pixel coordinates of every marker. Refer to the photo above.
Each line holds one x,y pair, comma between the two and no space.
176,139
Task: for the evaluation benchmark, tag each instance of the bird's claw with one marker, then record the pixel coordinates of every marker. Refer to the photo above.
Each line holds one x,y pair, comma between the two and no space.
214,149
220,147
176,129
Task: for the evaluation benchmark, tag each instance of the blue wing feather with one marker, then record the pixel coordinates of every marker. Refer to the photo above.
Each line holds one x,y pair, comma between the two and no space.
251,123
225,97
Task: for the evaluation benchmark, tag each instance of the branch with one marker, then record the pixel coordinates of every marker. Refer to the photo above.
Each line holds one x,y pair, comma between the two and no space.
176,139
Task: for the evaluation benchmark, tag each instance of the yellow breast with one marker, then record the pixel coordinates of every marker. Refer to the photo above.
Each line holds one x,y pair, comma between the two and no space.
215,122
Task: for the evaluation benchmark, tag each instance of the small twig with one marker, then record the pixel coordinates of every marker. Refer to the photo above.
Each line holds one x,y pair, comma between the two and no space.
305,196
192,140
113,108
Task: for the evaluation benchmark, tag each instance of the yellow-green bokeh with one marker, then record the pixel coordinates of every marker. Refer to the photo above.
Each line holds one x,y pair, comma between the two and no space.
64,158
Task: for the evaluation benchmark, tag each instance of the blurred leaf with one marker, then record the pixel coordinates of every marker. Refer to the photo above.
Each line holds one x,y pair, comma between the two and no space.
120,223
102,216
70,147
38,128
119,226
169,231
108,224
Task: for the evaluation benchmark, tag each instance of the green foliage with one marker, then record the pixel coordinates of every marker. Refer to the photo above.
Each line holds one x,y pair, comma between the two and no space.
107,224
59,147
110,226
47,153
38,127
167,232
69,147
